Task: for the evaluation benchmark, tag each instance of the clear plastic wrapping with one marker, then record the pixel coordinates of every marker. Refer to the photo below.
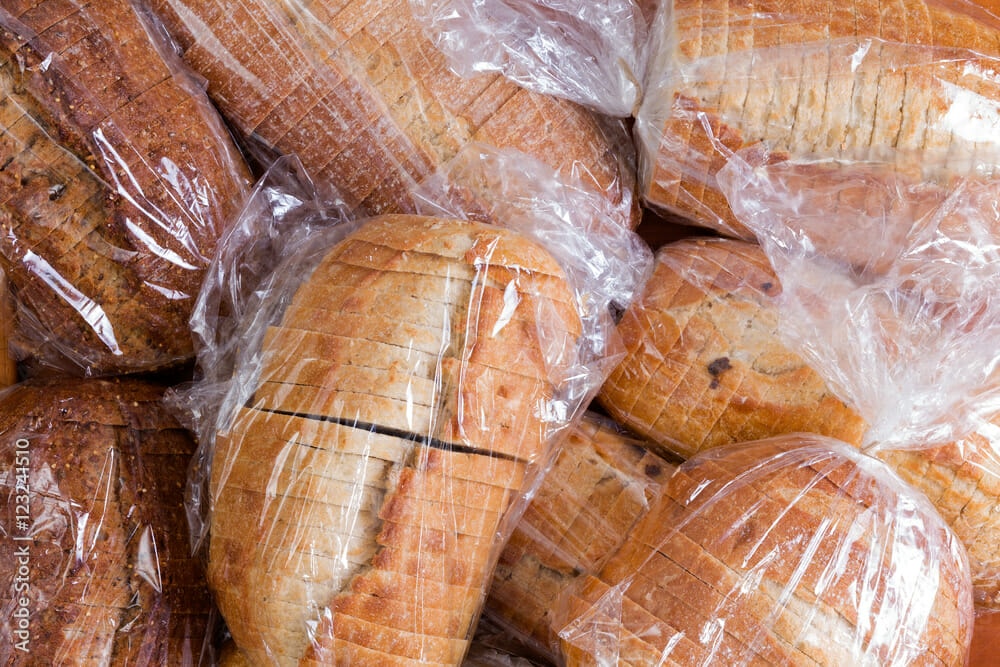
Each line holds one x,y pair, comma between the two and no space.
601,481
357,91
95,561
118,178
794,550
390,388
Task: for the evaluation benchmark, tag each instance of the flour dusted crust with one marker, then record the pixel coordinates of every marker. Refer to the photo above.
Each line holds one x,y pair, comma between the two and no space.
755,555
365,481
107,471
855,80
704,362
118,178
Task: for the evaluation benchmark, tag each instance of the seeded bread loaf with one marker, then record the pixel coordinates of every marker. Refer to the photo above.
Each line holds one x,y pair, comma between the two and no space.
793,551
95,564
117,179
358,496
907,81
600,483
704,363
361,95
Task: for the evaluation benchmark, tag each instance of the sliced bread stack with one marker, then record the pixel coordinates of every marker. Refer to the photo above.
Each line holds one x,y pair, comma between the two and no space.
705,364
599,485
118,177
362,96
908,82
793,551
358,496
96,546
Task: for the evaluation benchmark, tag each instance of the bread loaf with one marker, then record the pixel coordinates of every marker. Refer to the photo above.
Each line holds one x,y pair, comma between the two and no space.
118,177
792,551
361,95
600,483
909,83
95,564
358,497
704,363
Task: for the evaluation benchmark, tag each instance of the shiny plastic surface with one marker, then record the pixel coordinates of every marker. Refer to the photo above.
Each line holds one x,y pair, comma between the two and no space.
118,177
95,561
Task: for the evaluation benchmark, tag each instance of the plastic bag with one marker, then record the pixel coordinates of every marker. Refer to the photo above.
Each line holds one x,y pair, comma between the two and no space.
368,104
396,385
840,81
95,566
786,551
118,178
602,480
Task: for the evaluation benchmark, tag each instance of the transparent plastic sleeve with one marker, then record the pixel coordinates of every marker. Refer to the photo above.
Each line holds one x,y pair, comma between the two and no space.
841,81
602,480
370,106
392,388
795,550
95,561
588,52
896,311
118,178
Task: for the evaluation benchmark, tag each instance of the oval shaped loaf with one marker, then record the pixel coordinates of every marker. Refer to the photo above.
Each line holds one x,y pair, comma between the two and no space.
95,563
705,364
795,551
117,179
358,496
362,96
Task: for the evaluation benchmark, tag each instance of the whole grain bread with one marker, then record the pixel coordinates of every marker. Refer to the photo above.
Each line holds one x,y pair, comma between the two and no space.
100,542
358,497
705,364
904,82
118,178
362,96
600,483
792,551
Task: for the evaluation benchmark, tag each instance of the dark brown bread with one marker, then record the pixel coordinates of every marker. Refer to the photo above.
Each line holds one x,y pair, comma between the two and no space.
118,178
780,552
361,95
840,80
599,485
110,579
358,497
704,363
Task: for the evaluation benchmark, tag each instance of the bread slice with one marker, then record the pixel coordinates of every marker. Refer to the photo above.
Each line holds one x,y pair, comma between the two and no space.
378,456
121,178
859,80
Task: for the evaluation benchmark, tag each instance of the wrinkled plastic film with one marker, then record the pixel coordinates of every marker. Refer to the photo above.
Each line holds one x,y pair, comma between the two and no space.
900,323
590,53
120,178
840,85
601,481
95,566
786,550
398,385
366,101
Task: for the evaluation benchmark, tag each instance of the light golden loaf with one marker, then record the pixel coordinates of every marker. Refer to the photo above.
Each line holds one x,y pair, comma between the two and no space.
358,497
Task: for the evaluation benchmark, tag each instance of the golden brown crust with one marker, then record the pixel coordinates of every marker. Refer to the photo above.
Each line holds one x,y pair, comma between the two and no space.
376,457
118,178
106,467
856,80
705,364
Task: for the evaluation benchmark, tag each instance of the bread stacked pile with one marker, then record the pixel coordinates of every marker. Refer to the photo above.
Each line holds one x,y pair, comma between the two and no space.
408,389
118,178
96,546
